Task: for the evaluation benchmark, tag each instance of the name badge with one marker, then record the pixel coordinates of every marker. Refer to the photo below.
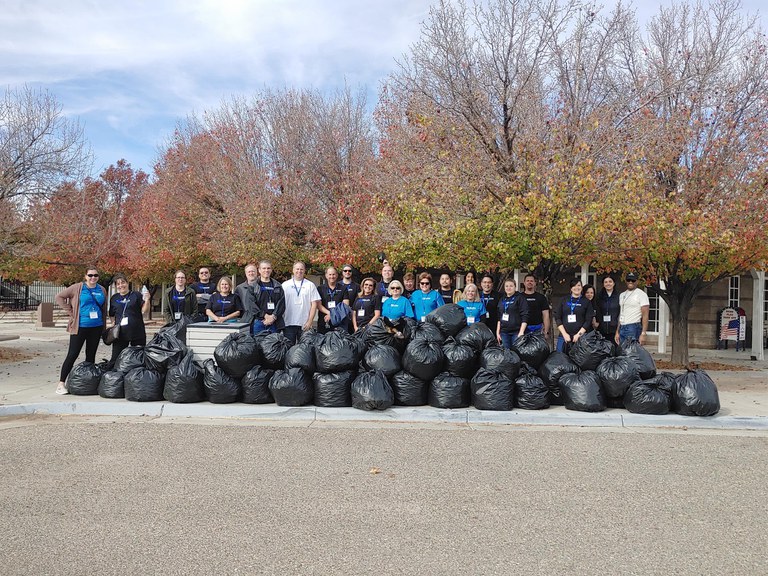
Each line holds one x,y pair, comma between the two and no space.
360,313
571,318
505,317
331,305
93,315
423,318
124,321
470,320
270,305
607,318
177,315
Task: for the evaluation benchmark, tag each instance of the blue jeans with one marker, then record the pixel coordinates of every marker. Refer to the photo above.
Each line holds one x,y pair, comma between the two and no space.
534,328
630,331
258,326
562,345
507,339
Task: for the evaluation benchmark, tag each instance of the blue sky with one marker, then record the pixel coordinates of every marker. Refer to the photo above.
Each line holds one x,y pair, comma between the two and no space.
131,70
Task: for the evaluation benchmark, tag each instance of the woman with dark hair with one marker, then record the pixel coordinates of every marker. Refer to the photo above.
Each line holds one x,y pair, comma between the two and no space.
425,299
573,316
589,294
86,304
127,308
224,305
367,306
607,314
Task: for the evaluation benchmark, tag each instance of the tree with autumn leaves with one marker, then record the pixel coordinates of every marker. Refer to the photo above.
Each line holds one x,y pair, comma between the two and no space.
514,134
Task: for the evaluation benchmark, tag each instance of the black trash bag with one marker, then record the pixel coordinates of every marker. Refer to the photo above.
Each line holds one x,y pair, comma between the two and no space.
377,332
407,327
492,391
178,328
184,382
163,351
274,348
449,391
384,358
460,359
143,385
83,379
583,392
532,349
371,391
616,375
646,366
302,355
427,331
311,337
408,389
237,354
530,392
423,359
292,387
337,352
553,368
476,335
220,387
334,390
651,396
695,394
130,358
450,319
614,402
590,350
111,385
255,386
499,359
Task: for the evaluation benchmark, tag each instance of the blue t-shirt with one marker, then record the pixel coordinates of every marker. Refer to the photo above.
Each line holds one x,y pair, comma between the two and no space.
474,311
396,308
423,303
91,301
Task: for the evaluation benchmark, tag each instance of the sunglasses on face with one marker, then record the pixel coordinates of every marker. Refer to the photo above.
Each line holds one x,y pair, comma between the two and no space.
92,275
393,288
424,283
346,271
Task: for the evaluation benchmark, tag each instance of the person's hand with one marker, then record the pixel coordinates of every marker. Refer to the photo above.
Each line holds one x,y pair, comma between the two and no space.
576,337
269,319
642,339
616,339
498,338
307,326
327,318
219,319
567,337
520,335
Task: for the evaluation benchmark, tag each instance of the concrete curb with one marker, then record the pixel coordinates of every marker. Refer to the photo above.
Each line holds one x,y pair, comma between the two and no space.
399,414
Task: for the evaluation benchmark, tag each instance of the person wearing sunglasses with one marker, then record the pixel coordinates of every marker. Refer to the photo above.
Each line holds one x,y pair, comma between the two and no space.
86,305
634,308
352,287
367,306
203,289
425,299
396,306
180,300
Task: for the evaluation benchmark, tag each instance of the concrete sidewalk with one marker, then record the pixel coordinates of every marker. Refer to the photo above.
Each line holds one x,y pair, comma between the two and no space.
27,387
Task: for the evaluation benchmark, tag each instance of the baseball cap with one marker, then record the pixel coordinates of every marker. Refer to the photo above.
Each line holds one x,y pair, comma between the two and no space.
631,276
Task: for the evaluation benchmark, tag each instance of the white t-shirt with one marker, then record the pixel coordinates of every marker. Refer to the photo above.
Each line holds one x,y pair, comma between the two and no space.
631,302
298,300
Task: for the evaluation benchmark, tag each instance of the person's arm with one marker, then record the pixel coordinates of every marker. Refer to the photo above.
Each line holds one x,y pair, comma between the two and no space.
644,310
64,299
498,331
146,298
523,309
545,320
312,312
279,296
354,320
589,314
167,311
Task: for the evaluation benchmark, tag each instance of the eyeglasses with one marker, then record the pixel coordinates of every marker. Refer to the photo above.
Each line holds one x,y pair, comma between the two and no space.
424,283
395,288
181,277
204,273
346,270
631,281
92,275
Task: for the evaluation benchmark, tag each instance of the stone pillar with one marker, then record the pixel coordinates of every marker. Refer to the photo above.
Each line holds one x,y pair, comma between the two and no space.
758,313
44,315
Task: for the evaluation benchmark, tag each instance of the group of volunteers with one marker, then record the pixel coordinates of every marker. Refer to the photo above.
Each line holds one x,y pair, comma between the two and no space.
339,302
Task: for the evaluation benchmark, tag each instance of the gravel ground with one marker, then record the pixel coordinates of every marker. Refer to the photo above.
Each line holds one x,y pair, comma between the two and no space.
147,498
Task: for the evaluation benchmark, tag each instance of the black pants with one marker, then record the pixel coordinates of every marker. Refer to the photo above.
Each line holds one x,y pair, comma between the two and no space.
88,336
120,344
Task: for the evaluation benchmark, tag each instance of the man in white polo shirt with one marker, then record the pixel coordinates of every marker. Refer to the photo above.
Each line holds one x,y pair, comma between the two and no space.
301,301
633,314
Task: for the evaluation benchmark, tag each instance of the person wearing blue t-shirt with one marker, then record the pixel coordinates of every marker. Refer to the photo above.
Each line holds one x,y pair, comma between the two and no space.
425,299
396,306
474,309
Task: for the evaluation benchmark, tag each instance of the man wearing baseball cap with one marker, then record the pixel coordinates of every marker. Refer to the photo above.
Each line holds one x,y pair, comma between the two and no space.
633,312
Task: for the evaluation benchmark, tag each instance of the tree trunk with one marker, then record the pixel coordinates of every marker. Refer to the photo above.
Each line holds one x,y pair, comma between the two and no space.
680,304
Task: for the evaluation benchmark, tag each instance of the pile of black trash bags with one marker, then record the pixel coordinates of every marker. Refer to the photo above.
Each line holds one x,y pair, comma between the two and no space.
442,362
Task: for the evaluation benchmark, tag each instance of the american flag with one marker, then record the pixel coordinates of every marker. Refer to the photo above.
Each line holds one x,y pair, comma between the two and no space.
731,330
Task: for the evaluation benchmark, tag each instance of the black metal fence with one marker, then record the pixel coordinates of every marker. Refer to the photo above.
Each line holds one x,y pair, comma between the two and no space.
15,295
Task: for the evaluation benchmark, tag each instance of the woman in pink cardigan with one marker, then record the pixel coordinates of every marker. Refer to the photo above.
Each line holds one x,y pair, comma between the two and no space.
86,304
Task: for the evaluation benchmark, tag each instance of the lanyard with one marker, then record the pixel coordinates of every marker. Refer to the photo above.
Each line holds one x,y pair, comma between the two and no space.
125,302
484,298
299,287
572,305
508,301
331,293
179,298
96,302
268,287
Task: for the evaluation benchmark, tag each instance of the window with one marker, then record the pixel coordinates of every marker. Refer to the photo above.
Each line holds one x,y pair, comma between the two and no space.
653,313
591,279
733,291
